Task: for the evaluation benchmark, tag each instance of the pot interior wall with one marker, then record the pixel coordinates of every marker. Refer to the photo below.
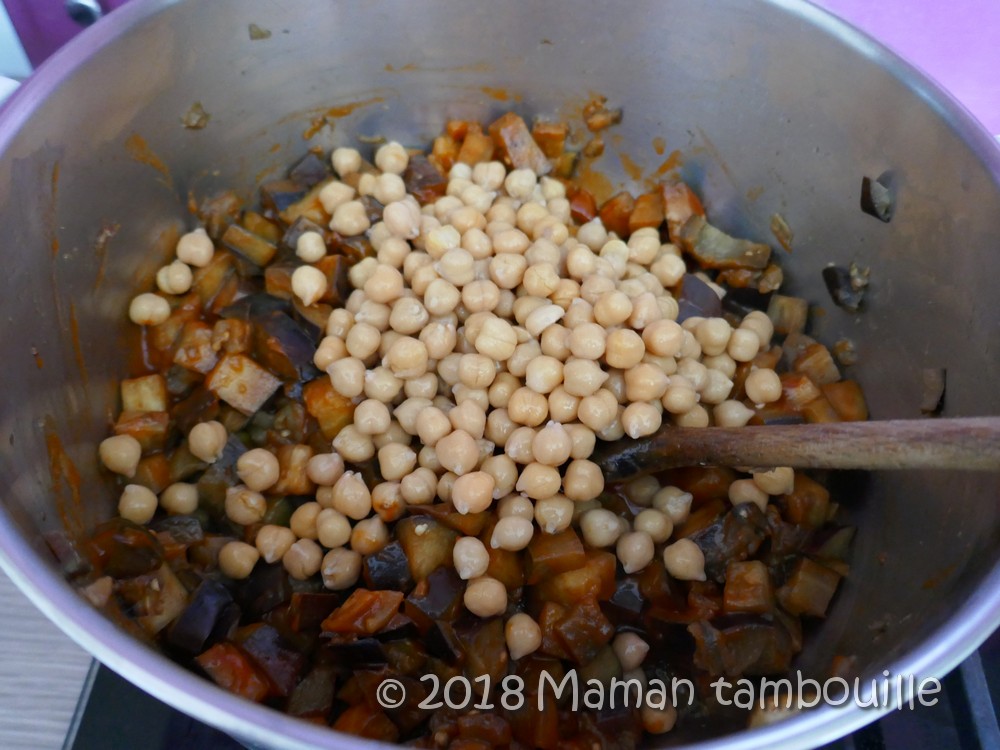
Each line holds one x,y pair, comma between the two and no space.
771,115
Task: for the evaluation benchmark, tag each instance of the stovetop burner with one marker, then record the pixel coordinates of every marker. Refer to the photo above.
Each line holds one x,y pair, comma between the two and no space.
965,718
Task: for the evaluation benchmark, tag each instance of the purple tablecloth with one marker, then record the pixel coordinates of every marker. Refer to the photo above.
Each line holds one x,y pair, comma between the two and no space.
956,43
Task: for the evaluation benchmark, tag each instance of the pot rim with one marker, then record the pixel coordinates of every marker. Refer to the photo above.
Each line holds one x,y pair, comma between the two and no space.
185,691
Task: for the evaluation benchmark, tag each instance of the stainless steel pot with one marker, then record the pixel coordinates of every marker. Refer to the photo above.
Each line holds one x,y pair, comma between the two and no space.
777,108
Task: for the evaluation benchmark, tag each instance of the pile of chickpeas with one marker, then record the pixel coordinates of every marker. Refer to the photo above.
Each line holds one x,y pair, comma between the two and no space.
488,345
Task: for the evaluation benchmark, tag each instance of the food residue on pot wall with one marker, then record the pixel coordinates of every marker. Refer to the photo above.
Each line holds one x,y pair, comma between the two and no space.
65,478
140,151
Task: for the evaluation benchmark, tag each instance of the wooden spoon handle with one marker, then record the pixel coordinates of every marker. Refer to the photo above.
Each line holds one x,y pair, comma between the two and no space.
971,443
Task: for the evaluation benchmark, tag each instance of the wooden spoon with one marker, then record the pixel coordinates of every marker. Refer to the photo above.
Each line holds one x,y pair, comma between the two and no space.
967,443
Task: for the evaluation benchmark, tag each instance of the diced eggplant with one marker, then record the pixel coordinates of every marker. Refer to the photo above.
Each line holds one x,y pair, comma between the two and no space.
809,588
310,170
423,180
713,248
180,381
797,389
847,399
183,530
155,599
788,314
267,587
442,642
438,597
615,213
550,137
122,549
516,145
200,406
444,153
838,284
356,653
278,280
338,284
230,668
466,524
832,543
282,665
491,729
551,554
292,476
70,554
741,302
627,603
209,617
194,348
388,568
477,146
820,411
485,649
697,299
308,610
748,588
363,721
283,347
163,336
146,393
254,306
877,197
313,697
248,245
261,226
584,630
648,212
332,411
427,545
242,383
596,578
808,504
582,206
817,362
734,537
278,195
364,613
680,204
400,627
748,648
603,666
150,428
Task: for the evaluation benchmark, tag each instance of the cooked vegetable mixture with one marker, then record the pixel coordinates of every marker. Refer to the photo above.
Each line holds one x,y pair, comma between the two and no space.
358,446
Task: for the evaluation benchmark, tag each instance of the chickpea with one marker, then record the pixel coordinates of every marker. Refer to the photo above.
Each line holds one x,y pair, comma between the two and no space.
655,523
645,310
519,445
258,469
587,341
523,635
330,349
722,363
470,558
563,407
310,247
180,499
582,377
679,398
554,514
538,481
237,559
583,439
552,445
458,452
674,502
592,234
148,309
527,407
630,649
583,480
504,472
332,528
402,218
427,458
350,219
668,270
507,270
523,354
456,266
746,491
697,417
244,506
645,382
385,284
501,389
354,445
174,278
195,248
273,542
758,322
347,376
656,720
732,414
137,504
485,597
599,411
407,358
120,454
340,568
512,533
615,252
663,338
612,308
369,536
339,323
419,486
615,430
496,339
743,345
763,386
510,241
389,187
371,417
777,481
351,496
394,434
601,527
432,424
685,561
303,520
473,492
392,157
345,161
635,550
375,314
717,387
303,559
625,349
207,440
514,505
395,461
